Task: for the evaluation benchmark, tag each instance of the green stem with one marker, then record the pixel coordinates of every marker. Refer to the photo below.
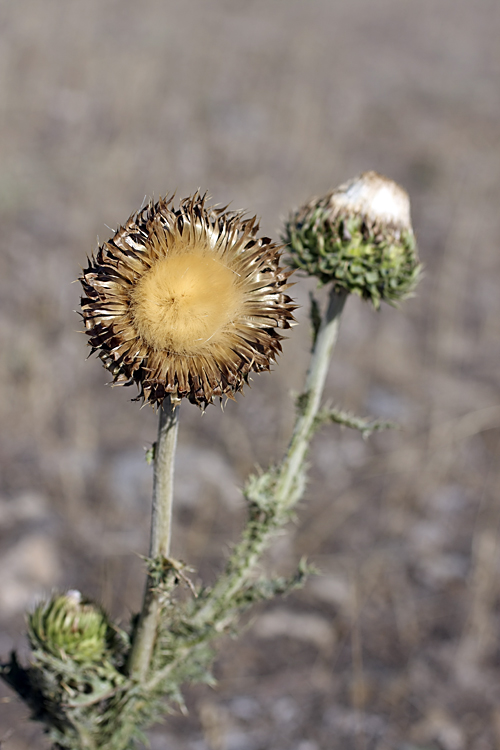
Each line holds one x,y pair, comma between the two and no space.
288,487
161,521
292,466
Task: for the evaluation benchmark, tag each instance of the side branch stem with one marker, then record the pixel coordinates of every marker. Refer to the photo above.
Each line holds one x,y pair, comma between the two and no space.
161,522
288,486
293,464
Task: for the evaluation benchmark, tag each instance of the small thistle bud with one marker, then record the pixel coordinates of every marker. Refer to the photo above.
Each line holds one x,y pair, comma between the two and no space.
70,627
359,237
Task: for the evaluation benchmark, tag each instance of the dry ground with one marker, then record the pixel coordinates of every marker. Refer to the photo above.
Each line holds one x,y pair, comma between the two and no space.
263,103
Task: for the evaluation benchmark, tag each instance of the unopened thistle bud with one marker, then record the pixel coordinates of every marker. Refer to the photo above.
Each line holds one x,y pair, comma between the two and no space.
70,627
360,238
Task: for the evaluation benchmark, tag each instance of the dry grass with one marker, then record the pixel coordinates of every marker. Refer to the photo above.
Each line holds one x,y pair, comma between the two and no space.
265,104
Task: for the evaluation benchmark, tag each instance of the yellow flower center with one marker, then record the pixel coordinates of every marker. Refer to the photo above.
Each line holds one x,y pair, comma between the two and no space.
184,301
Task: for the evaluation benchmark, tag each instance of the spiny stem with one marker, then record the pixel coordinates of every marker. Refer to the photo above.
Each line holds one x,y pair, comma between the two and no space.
291,468
288,487
161,522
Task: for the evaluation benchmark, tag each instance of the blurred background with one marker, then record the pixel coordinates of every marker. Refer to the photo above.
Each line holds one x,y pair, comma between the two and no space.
264,104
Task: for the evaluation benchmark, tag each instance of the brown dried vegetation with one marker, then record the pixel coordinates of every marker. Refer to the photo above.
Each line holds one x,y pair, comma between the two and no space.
186,302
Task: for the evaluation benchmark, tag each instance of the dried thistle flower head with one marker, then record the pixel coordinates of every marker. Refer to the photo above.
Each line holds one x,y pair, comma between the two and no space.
186,302
359,237
70,627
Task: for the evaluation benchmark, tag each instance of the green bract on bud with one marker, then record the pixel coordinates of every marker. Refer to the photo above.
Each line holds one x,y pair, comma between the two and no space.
360,238
70,627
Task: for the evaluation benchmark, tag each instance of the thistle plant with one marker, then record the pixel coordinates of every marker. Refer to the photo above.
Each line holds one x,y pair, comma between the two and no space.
186,303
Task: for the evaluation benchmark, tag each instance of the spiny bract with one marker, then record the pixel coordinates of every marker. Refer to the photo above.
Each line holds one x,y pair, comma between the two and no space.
358,237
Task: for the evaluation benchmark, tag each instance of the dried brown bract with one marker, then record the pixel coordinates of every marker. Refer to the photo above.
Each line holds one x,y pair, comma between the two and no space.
186,301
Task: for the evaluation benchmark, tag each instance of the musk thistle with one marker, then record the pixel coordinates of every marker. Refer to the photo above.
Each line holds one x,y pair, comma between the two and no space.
359,237
186,302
